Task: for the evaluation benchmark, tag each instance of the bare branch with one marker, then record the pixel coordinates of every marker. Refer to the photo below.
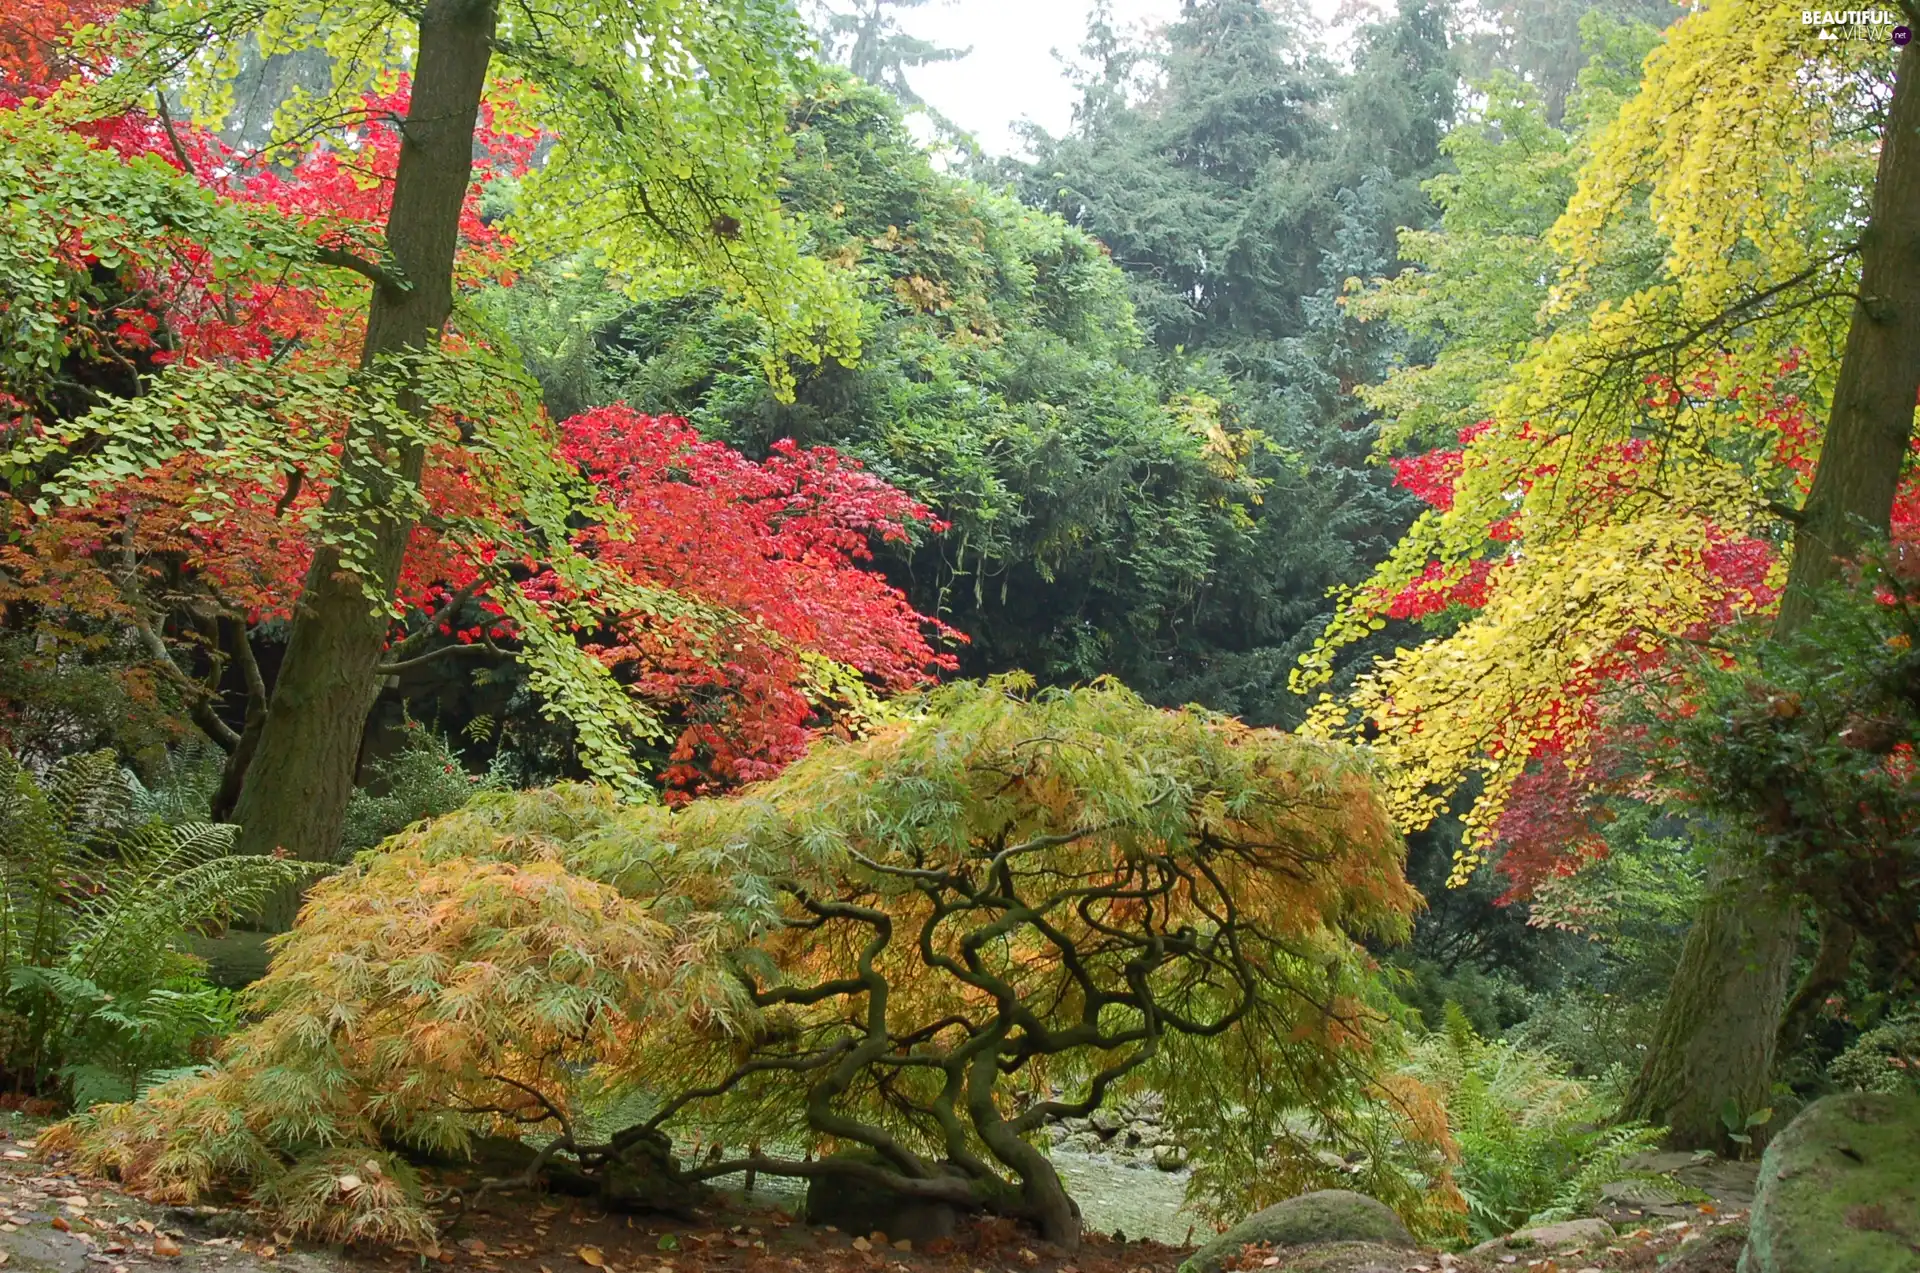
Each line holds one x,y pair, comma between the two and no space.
379,275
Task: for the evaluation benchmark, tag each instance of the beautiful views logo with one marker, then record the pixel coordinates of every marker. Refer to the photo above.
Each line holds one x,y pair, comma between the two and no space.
1834,23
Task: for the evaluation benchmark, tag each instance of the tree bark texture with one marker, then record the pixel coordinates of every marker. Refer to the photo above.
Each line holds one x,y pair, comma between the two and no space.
295,793
1713,1048
1715,1042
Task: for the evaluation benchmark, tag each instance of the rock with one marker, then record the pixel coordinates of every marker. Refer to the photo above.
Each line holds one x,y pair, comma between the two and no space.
1106,1121
1169,1157
219,1222
1661,1162
1330,1215
1563,1236
856,1207
1840,1189
1716,1251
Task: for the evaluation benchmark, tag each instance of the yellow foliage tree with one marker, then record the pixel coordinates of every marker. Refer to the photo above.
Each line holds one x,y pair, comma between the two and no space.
1750,213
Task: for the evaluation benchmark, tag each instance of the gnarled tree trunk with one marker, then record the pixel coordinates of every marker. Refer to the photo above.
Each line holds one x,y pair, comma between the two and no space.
295,793
1715,1040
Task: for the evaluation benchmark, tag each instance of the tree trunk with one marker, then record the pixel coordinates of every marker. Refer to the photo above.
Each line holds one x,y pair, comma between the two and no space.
1715,1040
1043,1197
1828,973
295,792
1713,1048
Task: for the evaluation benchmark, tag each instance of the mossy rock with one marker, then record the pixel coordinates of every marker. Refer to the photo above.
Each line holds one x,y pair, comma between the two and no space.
1840,1190
1313,1219
1342,1257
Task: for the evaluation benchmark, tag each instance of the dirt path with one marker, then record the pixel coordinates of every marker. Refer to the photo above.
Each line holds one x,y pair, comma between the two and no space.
58,1222
54,1221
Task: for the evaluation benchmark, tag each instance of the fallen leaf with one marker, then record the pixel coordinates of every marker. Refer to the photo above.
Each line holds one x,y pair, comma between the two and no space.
165,1246
60,1223
349,1182
904,1244
591,1255
861,1244
1027,1256
474,1246
76,1200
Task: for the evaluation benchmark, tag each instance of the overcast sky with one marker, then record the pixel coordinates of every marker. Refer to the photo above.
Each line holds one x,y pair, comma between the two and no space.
1012,73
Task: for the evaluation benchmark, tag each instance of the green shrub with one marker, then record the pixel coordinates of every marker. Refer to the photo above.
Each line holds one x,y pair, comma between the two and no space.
1883,1059
1534,1144
424,779
97,992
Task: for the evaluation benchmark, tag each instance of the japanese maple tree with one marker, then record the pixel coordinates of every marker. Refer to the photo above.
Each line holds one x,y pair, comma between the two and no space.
724,605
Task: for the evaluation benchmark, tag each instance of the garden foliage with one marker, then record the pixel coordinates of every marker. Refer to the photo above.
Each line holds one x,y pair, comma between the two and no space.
903,945
97,987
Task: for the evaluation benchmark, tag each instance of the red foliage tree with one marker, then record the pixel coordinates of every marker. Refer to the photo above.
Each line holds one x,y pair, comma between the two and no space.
775,556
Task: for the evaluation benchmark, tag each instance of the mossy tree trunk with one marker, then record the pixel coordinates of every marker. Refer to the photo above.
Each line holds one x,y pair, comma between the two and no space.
294,795
1715,1042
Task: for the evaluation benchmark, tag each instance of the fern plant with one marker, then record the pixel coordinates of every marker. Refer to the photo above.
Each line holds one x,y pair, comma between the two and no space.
1534,1144
96,900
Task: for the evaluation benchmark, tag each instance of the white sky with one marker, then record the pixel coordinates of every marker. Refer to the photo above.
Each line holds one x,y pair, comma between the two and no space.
1012,73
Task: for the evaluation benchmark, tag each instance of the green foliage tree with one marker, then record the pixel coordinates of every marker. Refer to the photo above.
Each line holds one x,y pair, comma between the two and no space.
925,945
1239,180
867,38
1544,43
1092,509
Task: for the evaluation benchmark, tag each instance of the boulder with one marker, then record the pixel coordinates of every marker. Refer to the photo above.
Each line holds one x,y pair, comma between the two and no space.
1564,1236
1169,1157
1106,1121
859,1208
1330,1215
1840,1190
